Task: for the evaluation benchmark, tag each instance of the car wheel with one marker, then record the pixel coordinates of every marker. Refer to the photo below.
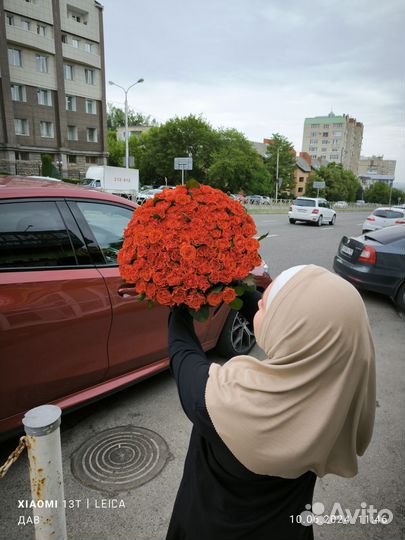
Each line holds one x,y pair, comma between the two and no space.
292,221
400,298
333,220
237,336
320,221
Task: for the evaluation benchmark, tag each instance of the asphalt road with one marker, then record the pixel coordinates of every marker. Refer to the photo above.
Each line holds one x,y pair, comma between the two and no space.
154,404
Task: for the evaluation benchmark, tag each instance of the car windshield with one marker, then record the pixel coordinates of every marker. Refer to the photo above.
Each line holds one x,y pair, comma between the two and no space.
304,202
387,235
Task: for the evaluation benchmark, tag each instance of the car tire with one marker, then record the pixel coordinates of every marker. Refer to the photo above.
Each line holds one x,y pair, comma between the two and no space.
237,336
400,298
320,221
333,220
292,221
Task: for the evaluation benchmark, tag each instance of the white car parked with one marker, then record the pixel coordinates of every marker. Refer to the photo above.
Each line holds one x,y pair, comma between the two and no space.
384,217
314,210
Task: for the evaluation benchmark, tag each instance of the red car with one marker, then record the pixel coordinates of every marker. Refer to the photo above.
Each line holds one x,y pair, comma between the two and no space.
67,333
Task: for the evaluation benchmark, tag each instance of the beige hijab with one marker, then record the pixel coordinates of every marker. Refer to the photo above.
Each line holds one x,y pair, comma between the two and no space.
310,405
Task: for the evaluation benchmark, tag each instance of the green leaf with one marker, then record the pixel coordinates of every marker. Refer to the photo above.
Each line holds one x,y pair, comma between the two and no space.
151,303
236,304
202,314
263,236
156,216
240,290
141,297
250,288
191,184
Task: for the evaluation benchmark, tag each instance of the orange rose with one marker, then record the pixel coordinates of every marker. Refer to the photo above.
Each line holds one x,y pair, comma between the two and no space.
164,297
195,300
179,295
229,295
188,252
215,298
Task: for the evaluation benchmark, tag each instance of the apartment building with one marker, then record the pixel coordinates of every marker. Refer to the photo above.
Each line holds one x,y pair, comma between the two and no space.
334,138
376,165
52,85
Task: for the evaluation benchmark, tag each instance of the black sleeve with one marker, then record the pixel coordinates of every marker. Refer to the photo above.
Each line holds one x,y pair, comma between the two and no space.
249,308
188,362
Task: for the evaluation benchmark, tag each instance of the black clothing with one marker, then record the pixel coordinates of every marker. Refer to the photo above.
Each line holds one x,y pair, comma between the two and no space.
219,498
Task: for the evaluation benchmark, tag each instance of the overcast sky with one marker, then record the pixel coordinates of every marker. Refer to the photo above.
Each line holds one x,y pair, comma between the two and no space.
262,66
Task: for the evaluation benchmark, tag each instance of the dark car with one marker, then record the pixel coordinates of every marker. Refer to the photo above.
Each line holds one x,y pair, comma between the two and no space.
68,333
375,261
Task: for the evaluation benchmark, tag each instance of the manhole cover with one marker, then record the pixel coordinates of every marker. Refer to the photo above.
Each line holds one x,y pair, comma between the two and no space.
119,459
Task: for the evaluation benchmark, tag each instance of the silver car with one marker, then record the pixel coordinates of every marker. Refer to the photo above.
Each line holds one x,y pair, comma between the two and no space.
384,217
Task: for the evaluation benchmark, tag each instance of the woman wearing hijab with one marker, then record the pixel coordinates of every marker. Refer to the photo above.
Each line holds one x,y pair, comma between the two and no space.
264,430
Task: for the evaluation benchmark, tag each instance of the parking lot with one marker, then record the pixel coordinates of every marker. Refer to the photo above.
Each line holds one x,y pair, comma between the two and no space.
144,512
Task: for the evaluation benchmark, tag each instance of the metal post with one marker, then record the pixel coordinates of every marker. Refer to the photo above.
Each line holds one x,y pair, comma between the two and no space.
126,130
182,176
389,202
278,156
46,474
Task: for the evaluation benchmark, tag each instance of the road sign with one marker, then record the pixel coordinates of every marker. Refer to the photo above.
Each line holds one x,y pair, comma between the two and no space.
319,185
183,163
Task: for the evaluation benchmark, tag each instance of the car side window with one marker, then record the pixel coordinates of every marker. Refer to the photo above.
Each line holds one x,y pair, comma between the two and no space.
108,223
33,235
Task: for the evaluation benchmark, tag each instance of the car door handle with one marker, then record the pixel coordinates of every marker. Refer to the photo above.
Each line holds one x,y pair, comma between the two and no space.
127,290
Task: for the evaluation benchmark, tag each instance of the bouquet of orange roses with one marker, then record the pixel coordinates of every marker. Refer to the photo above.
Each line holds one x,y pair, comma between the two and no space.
189,245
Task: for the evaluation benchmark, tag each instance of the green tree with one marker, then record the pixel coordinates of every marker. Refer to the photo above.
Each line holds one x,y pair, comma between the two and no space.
380,193
155,150
286,162
341,184
48,168
116,150
116,118
236,165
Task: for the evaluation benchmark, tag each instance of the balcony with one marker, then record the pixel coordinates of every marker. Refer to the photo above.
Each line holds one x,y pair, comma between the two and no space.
80,56
30,39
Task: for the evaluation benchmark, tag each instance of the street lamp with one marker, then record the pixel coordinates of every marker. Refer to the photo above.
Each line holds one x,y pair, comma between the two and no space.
126,116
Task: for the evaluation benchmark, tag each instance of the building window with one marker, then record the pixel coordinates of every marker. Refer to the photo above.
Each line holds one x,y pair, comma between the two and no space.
337,133
18,92
22,156
325,142
90,76
90,106
75,43
44,97
324,150
69,72
10,19
41,30
15,57
71,103
312,148
91,159
314,125
26,25
326,126
21,126
325,134
72,133
64,38
75,17
314,133
42,63
72,159
313,141
334,156
92,135
300,190
339,125
301,179
314,156
335,141
46,129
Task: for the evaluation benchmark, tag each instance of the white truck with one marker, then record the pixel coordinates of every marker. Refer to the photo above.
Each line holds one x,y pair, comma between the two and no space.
116,180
